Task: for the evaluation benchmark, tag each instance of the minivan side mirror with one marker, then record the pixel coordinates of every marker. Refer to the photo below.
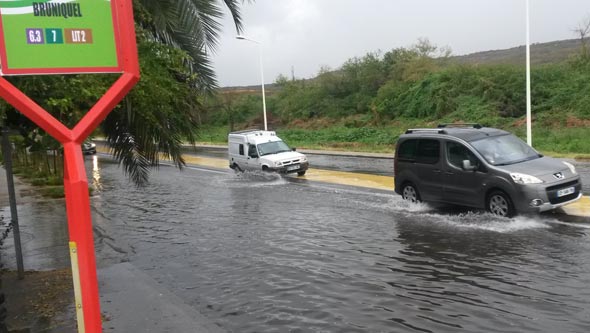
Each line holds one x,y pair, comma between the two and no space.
467,166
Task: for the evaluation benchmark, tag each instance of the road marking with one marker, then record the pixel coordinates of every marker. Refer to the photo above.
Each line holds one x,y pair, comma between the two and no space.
207,161
326,176
350,178
578,208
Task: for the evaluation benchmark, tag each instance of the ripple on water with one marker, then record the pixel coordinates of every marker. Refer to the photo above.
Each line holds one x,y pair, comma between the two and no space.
258,256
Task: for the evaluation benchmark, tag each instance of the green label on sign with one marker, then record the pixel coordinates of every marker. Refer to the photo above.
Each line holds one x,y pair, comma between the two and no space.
57,36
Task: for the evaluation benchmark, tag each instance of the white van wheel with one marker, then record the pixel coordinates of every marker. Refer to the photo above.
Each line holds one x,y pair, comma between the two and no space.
410,193
236,167
499,203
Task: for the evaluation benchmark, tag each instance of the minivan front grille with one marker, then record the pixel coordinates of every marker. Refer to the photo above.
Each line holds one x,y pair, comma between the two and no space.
556,187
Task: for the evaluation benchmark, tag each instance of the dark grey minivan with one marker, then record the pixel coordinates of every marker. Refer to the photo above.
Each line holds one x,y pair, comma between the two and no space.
482,167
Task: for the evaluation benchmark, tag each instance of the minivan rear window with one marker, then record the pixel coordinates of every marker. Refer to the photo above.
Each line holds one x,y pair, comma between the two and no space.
419,150
407,150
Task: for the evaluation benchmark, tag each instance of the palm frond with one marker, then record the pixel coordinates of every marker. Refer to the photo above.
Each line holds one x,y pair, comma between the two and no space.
191,25
234,9
154,120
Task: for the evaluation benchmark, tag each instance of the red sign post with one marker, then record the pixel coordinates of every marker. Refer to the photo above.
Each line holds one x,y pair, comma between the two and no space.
75,179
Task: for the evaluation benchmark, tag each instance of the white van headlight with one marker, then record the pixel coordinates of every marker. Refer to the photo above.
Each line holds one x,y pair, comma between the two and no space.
571,167
278,163
521,178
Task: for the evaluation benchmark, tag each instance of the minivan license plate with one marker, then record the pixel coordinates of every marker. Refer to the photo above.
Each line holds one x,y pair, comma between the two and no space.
293,167
565,191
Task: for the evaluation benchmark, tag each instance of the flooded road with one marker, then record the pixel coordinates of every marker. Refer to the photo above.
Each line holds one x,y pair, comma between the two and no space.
261,253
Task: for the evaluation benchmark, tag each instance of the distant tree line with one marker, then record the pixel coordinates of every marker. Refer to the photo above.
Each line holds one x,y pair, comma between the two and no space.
419,82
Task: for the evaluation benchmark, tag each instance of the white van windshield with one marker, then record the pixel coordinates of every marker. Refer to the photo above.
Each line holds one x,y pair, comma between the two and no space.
504,150
274,147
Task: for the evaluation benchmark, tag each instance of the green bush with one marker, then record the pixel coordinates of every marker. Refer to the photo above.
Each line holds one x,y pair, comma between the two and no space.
371,100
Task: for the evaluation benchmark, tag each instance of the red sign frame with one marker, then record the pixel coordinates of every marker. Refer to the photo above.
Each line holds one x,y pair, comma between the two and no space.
75,179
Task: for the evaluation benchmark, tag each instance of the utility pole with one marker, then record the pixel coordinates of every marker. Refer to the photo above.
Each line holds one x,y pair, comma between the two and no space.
6,150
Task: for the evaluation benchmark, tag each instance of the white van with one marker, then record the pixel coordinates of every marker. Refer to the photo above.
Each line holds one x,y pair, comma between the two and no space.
263,150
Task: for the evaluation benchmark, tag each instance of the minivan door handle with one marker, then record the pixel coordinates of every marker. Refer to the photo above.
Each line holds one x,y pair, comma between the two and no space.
436,171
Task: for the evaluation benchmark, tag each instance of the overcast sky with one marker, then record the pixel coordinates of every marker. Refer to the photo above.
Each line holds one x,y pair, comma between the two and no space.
304,35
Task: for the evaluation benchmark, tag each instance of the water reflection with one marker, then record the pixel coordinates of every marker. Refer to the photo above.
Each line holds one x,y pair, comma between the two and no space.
44,236
263,254
96,183
457,271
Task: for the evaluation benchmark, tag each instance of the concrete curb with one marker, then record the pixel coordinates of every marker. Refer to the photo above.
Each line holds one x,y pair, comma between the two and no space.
311,151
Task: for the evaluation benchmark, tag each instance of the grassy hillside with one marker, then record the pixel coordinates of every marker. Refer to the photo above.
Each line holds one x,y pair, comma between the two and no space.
368,102
541,53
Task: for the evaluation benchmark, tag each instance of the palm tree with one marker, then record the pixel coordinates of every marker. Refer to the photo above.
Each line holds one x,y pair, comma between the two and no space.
191,25
175,39
182,34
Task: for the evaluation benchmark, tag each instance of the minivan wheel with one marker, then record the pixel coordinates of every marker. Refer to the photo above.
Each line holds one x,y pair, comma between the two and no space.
499,203
410,193
301,173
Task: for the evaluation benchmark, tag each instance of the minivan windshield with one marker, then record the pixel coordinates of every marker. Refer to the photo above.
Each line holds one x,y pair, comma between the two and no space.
274,147
504,150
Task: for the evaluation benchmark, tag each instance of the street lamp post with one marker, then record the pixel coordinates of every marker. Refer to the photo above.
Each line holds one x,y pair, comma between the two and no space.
529,136
261,75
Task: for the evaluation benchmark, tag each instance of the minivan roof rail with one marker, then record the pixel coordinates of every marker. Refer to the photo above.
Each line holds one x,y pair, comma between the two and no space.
434,130
473,125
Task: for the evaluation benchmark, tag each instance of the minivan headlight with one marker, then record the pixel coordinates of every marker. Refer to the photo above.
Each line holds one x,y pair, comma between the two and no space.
571,167
521,178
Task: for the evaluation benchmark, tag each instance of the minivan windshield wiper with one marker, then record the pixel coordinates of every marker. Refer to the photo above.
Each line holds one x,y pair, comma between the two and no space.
521,160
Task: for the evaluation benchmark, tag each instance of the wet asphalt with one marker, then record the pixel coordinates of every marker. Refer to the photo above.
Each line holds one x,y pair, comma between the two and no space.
263,253
259,252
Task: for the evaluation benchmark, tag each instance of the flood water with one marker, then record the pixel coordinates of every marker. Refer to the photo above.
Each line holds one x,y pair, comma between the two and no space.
261,253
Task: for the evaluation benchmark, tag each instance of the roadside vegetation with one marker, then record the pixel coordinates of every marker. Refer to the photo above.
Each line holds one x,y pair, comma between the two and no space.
175,40
38,167
369,101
